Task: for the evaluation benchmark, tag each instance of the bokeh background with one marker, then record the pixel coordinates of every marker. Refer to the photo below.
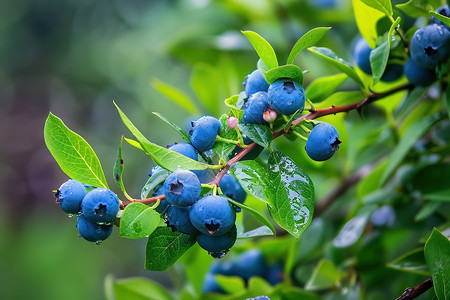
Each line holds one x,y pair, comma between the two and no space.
73,58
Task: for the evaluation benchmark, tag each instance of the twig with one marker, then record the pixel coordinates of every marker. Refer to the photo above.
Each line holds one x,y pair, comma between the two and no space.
414,292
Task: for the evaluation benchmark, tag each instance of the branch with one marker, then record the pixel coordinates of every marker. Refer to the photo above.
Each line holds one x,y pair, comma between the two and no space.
414,292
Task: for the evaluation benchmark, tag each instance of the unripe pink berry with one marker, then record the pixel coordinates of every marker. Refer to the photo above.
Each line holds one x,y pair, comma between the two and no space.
232,122
270,116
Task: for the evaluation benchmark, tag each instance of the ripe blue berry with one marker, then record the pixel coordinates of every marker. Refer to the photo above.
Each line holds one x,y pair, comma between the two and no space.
275,274
185,149
361,55
322,142
255,107
163,204
182,188
178,219
250,263
392,72
212,215
210,285
204,133
232,188
430,45
70,194
255,82
100,205
286,96
443,10
217,246
418,75
91,231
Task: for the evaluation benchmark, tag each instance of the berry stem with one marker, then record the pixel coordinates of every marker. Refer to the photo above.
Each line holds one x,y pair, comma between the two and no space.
414,292
145,201
312,107
221,139
299,135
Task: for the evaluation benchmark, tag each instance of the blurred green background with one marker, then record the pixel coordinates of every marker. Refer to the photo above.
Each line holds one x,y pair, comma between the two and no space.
73,58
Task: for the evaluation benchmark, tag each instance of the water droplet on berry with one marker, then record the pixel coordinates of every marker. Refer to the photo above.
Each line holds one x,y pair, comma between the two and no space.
79,213
70,216
98,242
200,208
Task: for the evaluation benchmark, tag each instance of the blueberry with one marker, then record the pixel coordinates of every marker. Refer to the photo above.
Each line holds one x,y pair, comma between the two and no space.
100,205
70,194
275,274
361,55
255,82
163,204
204,176
430,45
231,187
178,219
392,72
252,155
384,216
286,97
182,188
418,75
255,107
210,285
259,298
322,142
91,231
443,10
212,215
217,246
185,149
250,263
204,133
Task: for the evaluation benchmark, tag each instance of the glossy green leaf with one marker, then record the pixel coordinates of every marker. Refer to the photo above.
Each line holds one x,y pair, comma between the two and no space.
138,221
330,57
437,256
165,247
162,156
292,72
411,262
73,154
323,87
253,178
257,232
255,213
261,66
380,55
351,232
232,103
118,168
414,132
309,39
180,131
231,284
223,149
263,48
153,181
383,6
367,19
341,98
325,276
176,96
292,205
260,134
206,84
136,288
441,18
419,8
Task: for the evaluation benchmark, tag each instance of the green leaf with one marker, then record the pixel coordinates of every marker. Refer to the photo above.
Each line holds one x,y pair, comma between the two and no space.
260,134
429,182
330,57
223,149
341,98
285,72
257,232
414,132
232,103
324,87
230,284
253,178
380,55
263,48
437,256
446,99
206,84
441,18
306,41
383,6
261,66
367,19
180,131
153,181
162,156
351,232
419,8
411,262
139,289
165,247
255,213
176,96
292,206
73,154
325,276
118,168
138,221
426,211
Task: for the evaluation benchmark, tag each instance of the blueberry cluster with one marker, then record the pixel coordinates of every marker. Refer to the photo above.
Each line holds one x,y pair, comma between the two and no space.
250,263
96,209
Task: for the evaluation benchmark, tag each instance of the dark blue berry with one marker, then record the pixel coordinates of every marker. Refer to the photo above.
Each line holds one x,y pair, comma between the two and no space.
384,216
217,246
444,11
70,194
322,142
210,285
212,215
361,55
185,149
286,96
275,274
204,133
392,72
178,219
418,75
255,107
231,187
255,82
182,188
250,263
91,231
100,205
430,45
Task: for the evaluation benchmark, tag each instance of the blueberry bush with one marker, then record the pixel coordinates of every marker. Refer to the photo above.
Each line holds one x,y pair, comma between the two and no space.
240,211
